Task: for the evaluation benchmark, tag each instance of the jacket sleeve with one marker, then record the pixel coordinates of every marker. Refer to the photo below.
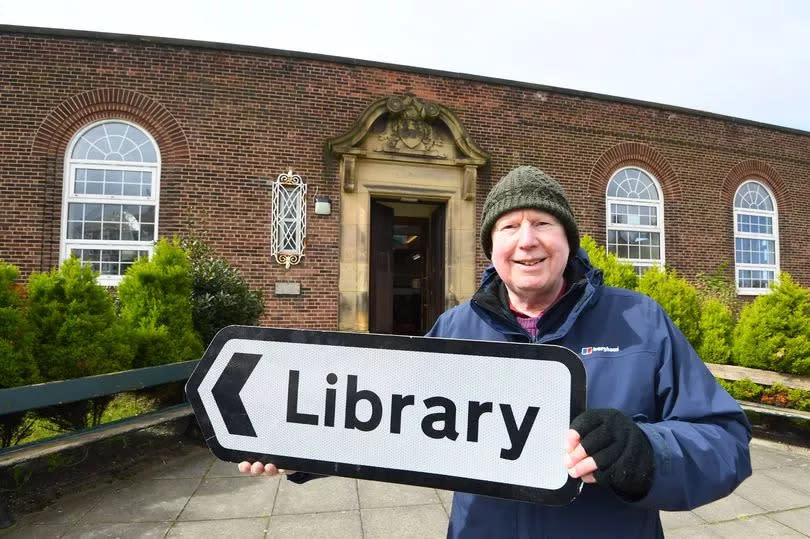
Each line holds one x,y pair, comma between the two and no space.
700,439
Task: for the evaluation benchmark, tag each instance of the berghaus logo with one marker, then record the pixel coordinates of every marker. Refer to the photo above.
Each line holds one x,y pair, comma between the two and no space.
588,350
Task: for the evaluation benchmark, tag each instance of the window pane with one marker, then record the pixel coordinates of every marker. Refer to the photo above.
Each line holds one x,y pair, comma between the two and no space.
115,141
108,268
131,212
632,183
75,212
129,256
129,231
112,231
92,231
147,214
74,231
94,188
109,255
92,212
112,213
147,232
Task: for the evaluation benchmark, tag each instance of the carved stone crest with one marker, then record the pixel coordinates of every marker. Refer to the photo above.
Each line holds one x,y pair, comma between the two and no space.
409,126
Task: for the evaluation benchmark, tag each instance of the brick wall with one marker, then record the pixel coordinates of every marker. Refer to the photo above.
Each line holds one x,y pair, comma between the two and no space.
228,120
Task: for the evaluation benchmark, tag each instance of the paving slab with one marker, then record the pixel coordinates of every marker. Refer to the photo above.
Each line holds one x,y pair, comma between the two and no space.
192,465
221,468
771,495
326,495
728,508
148,500
415,521
796,519
377,494
243,528
137,530
337,525
71,508
232,497
446,496
756,526
672,520
692,532
796,477
34,531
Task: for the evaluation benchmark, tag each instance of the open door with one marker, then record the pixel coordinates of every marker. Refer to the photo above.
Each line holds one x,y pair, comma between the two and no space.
381,271
434,305
406,273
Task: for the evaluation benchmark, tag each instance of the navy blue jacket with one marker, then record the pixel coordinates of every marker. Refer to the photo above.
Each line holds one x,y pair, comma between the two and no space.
638,362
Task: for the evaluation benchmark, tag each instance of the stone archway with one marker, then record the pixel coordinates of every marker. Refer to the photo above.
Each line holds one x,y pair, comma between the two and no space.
402,148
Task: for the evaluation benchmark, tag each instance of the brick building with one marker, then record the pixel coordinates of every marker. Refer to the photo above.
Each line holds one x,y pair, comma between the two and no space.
109,141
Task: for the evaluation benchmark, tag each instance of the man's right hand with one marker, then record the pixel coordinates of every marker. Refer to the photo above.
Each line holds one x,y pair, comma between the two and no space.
259,468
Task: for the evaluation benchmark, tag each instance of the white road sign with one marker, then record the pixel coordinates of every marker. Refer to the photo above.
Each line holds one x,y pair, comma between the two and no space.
476,416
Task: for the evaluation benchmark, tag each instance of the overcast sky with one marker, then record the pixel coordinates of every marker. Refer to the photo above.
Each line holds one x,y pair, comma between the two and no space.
744,58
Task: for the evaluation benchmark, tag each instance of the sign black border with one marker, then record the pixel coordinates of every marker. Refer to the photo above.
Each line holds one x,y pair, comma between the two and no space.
567,357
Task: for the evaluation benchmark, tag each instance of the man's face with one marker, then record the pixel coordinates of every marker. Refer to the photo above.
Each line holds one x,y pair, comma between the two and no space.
530,251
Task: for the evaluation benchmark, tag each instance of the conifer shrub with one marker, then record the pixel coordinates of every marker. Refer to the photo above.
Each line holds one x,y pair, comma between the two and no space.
616,273
76,333
773,331
17,367
219,295
155,303
716,329
678,298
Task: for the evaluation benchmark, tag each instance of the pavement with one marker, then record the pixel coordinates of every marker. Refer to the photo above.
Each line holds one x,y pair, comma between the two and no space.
197,495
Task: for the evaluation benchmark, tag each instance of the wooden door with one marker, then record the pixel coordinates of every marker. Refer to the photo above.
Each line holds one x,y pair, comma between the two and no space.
381,271
435,269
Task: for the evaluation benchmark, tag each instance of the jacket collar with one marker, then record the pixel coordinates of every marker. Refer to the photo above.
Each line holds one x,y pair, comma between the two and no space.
584,286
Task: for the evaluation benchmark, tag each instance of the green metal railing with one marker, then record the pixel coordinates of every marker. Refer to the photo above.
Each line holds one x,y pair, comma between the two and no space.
33,397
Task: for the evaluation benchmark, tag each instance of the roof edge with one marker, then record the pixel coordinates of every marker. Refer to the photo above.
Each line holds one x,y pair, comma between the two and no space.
213,45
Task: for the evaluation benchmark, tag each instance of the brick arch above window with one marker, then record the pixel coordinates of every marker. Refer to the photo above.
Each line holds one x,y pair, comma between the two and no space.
754,169
71,115
634,154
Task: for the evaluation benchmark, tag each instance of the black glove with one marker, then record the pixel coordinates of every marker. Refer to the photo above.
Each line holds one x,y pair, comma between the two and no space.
621,450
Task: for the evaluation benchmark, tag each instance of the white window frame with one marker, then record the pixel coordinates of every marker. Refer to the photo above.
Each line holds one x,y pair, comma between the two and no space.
774,215
69,196
658,204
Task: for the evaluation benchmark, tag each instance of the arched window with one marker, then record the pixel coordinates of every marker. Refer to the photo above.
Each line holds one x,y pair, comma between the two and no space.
635,218
756,238
110,210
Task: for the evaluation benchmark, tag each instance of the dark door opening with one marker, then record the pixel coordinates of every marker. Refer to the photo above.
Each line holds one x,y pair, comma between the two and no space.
406,274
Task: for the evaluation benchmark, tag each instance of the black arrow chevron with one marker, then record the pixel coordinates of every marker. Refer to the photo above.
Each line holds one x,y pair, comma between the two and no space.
226,393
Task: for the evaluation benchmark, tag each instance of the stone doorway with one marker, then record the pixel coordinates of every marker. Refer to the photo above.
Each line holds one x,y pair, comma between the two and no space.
405,151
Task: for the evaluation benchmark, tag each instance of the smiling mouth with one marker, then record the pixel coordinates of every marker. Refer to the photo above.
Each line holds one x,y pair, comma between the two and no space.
529,263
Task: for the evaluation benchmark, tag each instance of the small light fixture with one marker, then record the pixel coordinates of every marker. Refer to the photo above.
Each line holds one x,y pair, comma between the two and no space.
323,206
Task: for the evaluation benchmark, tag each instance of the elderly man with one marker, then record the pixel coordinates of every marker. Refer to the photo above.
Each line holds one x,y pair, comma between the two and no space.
659,432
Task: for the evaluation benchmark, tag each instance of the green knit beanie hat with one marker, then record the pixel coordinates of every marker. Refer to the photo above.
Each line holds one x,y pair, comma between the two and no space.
523,188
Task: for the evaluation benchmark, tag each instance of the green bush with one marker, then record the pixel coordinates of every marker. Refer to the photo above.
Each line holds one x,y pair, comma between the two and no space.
17,367
744,389
219,296
616,273
678,298
716,328
155,299
76,333
773,331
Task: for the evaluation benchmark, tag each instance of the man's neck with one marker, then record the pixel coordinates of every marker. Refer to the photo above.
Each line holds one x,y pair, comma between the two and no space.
535,307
